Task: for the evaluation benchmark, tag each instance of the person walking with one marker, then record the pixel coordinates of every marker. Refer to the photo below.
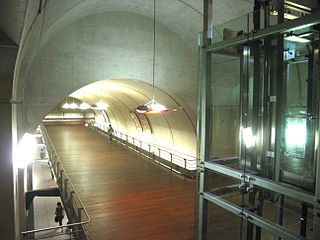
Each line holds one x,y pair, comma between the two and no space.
59,214
110,133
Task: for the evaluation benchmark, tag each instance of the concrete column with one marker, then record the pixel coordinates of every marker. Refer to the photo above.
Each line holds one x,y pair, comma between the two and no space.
9,222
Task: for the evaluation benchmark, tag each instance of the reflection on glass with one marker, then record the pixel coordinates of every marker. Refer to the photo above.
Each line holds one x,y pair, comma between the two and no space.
295,137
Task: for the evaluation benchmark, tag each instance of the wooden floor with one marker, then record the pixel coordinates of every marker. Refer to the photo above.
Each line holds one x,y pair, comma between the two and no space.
127,196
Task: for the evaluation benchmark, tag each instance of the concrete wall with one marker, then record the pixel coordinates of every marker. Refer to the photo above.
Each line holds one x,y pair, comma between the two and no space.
110,46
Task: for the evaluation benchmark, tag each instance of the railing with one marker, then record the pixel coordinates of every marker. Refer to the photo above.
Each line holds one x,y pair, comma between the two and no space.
75,210
178,162
67,119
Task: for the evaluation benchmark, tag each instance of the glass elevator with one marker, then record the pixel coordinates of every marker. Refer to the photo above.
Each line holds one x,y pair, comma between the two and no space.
258,124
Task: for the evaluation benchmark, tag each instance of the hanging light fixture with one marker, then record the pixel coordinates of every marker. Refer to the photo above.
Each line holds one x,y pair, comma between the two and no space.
84,105
66,105
153,106
73,105
100,105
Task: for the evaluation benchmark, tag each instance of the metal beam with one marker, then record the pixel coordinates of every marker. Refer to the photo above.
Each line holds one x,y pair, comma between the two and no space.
42,192
288,26
316,219
262,182
266,224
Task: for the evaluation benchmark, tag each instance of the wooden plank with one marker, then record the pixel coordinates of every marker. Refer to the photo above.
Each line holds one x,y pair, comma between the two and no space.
126,195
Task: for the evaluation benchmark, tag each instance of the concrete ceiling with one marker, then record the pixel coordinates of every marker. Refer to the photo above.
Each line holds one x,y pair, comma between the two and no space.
12,16
135,92
57,55
182,16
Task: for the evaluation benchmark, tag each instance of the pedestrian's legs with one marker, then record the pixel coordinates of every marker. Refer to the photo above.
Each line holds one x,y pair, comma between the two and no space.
60,223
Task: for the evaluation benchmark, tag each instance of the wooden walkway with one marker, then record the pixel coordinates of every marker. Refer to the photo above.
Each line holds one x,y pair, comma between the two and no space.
127,196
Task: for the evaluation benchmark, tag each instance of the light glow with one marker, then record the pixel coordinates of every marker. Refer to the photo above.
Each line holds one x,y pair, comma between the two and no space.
84,106
66,106
152,107
26,150
248,138
296,134
290,16
101,105
73,106
294,38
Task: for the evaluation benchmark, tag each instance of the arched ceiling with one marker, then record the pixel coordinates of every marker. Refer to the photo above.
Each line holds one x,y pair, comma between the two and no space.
130,93
56,55
175,129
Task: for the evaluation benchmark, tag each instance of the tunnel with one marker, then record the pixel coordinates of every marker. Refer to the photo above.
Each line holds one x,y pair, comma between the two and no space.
235,142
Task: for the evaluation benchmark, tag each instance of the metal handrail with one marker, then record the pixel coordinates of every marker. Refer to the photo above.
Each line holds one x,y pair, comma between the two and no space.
74,189
162,149
188,164
165,149
71,192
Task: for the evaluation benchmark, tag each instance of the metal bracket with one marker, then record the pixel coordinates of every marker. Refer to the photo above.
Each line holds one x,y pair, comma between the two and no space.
10,101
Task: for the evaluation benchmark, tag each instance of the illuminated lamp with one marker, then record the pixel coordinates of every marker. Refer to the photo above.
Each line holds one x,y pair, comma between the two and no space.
101,105
84,106
294,38
66,106
73,106
152,107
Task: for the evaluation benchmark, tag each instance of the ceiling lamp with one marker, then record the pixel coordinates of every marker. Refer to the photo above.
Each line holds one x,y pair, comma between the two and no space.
100,105
66,106
152,106
84,106
294,38
73,105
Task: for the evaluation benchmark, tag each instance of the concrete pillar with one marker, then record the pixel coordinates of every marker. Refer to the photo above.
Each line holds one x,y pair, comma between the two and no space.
9,220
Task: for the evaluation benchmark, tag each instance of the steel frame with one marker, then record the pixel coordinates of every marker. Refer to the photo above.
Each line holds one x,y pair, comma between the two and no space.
204,112
281,28
252,217
268,184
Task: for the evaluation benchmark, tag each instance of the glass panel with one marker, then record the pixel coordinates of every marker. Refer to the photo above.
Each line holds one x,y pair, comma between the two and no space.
223,225
225,107
298,134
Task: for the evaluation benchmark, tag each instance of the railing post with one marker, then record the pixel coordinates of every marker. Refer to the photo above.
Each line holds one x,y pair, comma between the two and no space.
185,163
80,228
71,196
171,157
57,169
65,190
61,179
